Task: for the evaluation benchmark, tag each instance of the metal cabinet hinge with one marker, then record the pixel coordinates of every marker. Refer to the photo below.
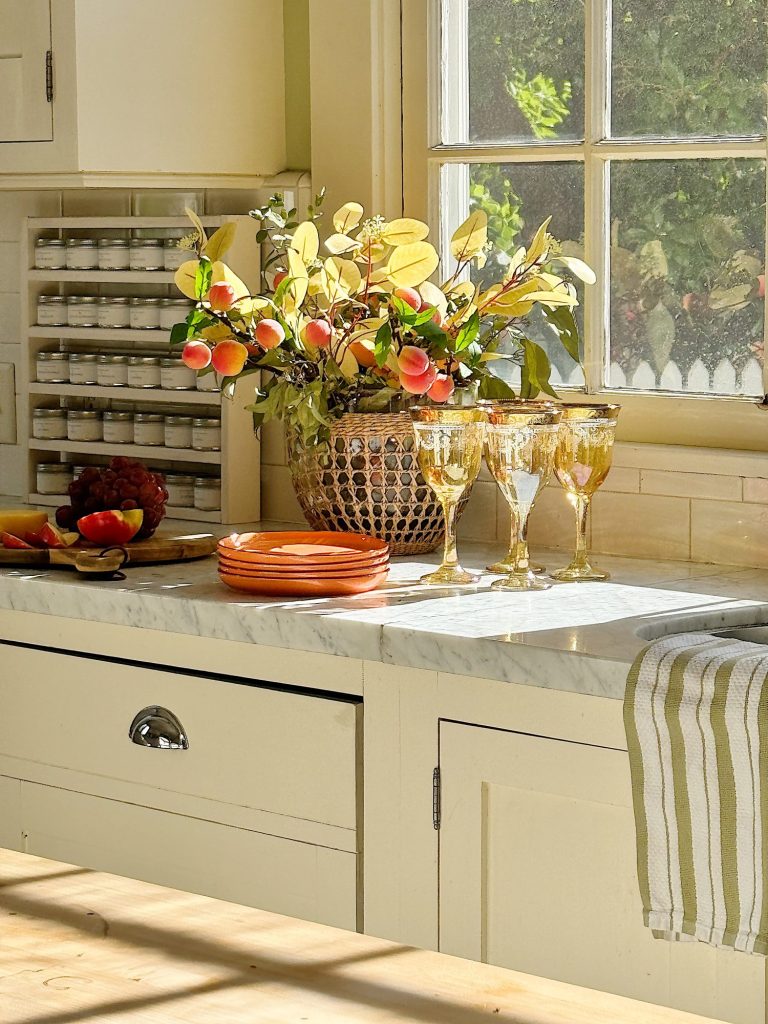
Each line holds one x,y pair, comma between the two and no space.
436,797
49,75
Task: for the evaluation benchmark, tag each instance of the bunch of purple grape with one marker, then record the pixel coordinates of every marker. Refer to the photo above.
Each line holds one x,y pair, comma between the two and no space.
124,484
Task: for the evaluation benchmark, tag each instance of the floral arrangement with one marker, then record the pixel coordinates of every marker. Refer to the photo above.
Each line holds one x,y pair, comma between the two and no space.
357,324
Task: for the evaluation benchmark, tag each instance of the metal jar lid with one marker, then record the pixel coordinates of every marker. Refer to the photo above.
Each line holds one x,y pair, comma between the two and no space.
52,300
56,243
113,243
45,357
82,357
83,414
148,417
113,300
122,417
111,360
141,301
169,362
82,300
181,303
53,467
179,421
81,243
44,414
146,243
179,480
207,481
143,361
204,421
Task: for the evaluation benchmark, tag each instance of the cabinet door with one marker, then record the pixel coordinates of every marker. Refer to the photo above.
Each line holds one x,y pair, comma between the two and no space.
537,873
10,814
25,36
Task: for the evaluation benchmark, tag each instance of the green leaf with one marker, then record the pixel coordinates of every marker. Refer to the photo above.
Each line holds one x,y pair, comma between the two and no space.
203,277
383,343
408,315
492,387
379,401
433,334
563,322
179,334
535,371
468,333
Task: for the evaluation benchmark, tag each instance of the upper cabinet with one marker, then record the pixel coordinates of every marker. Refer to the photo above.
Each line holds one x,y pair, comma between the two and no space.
100,92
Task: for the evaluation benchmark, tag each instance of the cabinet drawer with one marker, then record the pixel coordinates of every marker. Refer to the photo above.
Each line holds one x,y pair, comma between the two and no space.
297,879
272,750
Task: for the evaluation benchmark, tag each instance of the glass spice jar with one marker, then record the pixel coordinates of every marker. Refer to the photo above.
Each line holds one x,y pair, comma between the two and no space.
181,490
206,434
113,311
113,254
52,311
173,311
148,428
53,477
118,427
144,314
49,424
50,254
82,368
178,431
208,493
82,254
52,368
146,254
111,371
173,256
175,376
143,372
207,382
84,425
83,311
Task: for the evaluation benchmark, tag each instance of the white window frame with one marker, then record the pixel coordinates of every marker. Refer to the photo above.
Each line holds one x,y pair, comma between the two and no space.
712,421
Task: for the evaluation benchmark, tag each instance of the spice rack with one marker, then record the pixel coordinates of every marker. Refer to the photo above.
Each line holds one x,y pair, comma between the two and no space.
238,461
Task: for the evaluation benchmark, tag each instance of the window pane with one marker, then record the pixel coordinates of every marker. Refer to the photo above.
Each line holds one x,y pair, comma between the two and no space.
687,275
526,71
689,67
517,199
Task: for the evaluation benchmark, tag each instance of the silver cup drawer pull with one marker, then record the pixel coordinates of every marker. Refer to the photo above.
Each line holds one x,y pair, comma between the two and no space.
158,728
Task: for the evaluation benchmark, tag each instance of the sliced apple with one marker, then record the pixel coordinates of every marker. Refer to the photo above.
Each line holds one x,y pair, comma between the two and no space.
112,527
11,541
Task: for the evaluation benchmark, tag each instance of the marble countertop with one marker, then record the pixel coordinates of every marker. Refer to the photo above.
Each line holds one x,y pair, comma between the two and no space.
577,637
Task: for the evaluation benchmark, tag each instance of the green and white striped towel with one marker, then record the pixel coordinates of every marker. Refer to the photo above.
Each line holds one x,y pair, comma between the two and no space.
696,718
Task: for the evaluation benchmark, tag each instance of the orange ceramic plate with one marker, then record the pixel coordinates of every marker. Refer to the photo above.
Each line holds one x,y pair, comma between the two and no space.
236,562
303,547
278,574
303,588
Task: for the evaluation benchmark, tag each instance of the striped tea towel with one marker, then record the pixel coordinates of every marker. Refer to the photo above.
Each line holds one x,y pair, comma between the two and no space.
696,717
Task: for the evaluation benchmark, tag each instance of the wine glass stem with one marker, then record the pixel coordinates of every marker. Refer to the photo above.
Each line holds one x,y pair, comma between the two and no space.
580,559
450,555
522,562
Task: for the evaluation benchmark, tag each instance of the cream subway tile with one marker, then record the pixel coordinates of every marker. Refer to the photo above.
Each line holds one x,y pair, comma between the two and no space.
552,523
14,206
12,354
219,201
278,499
273,443
10,318
682,459
729,532
12,470
756,490
479,519
10,267
642,525
96,202
690,485
622,479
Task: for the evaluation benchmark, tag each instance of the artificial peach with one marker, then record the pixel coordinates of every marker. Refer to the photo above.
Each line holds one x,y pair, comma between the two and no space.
409,295
229,357
412,360
418,384
318,333
364,355
112,527
442,388
279,277
269,333
221,297
196,355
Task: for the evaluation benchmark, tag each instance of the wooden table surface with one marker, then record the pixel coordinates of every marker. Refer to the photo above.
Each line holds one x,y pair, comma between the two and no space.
79,945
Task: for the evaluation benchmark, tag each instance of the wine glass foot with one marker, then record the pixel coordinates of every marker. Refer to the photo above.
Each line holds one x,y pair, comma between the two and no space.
580,574
506,566
521,580
451,575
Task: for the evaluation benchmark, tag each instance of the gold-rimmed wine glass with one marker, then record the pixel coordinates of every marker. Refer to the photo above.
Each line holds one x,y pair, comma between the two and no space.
521,438
582,461
449,447
507,563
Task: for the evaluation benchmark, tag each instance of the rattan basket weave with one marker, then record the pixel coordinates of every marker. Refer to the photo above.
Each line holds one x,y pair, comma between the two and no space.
368,481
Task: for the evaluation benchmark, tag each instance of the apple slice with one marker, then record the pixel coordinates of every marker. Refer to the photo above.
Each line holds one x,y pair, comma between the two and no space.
12,542
112,527
51,536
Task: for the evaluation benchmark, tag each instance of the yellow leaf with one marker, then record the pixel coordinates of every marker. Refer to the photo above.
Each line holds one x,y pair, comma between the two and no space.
218,332
552,298
338,244
342,276
346,361
201,235
296,291
578,268
470,237
347,217
432,295
410,265
184,278
306,242
463,290
518,259
403,231
371,251
220,241
540,243
511,302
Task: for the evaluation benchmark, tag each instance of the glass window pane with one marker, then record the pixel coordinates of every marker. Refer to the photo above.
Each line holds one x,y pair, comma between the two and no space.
687,275
517,199
525,61
689,67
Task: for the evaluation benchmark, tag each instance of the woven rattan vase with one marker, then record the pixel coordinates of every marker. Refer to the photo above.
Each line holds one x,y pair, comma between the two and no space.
368,481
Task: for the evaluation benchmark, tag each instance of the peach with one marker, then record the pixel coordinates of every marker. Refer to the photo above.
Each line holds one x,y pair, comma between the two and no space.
442,388
196,355
362,354
279,277
221,297
318,333
418,384
229,357
409,295
269,333
436,318
412,360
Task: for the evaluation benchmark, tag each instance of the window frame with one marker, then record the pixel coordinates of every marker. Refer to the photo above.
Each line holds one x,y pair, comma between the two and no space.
649,416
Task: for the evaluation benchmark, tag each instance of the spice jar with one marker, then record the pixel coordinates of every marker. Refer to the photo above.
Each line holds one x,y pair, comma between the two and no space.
113,254
178,431
207,382
145,254
113,311
82,254
206,434
49,424
143,372
111,371
144,314
181,490
52,311
173,311
175,376
83,425
52,368
53,477
82,368
148,428
83,311
173,256
118,427
50,254
208,493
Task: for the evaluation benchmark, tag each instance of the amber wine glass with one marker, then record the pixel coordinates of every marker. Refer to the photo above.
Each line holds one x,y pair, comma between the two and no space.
582,461
520,444
449,446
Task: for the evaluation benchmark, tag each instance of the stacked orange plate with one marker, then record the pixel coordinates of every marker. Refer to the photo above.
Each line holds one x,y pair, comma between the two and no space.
303,564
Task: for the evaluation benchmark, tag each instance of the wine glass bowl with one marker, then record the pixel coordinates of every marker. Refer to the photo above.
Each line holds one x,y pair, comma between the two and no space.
449,447
582,462
521,438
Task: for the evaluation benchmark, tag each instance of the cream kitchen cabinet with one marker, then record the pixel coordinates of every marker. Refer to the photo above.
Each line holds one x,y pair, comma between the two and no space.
537,873
134,93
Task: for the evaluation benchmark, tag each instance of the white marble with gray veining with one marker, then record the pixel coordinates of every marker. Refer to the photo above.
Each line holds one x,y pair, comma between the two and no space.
577,637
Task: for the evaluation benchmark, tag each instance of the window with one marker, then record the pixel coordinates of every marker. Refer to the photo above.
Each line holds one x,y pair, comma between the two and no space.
640,125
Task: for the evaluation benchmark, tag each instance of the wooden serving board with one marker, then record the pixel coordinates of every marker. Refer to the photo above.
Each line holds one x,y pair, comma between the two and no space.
100,558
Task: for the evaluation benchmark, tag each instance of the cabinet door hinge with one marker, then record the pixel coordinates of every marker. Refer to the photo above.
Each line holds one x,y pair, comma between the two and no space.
49,75
436,797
